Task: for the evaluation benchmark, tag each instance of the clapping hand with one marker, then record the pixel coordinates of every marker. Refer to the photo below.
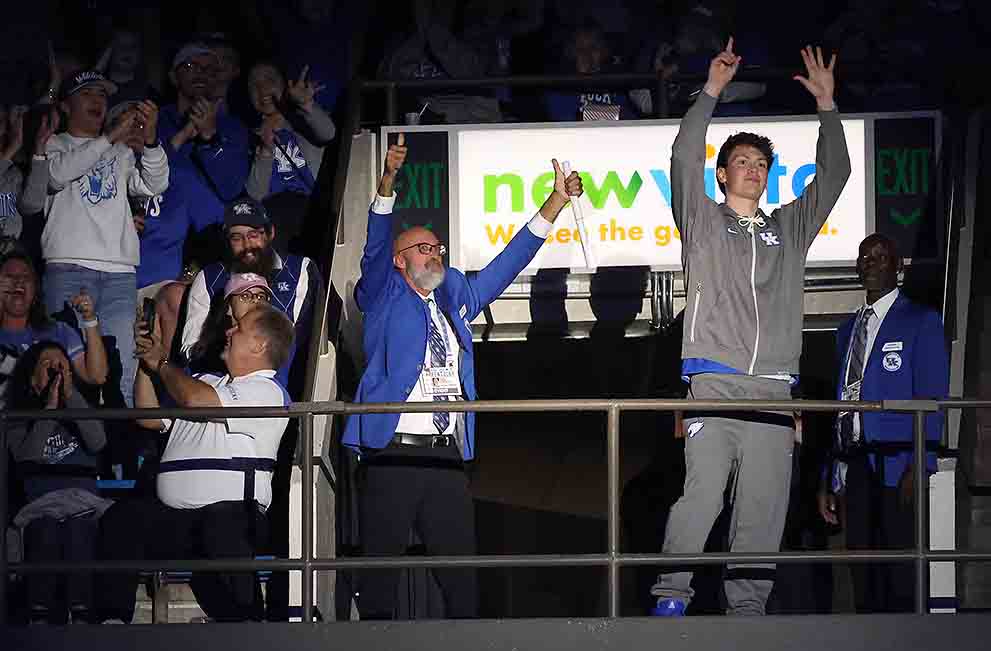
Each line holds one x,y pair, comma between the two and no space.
203,115
722,69
122,128
302,91
147,116
820,81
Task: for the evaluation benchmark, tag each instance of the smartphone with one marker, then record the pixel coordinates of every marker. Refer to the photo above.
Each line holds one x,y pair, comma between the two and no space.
148,312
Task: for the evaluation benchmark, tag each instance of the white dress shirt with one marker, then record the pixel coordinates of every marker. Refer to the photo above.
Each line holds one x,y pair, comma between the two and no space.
423,423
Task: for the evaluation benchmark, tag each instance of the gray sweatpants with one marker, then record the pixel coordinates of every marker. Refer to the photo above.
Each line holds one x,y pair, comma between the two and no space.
755,451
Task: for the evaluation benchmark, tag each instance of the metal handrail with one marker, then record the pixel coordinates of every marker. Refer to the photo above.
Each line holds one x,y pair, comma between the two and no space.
612,559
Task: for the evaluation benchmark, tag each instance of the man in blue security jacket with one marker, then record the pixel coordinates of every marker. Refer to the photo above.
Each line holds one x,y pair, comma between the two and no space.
892,349
418,345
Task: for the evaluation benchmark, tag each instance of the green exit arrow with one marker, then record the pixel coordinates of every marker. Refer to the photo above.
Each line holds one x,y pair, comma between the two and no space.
905,220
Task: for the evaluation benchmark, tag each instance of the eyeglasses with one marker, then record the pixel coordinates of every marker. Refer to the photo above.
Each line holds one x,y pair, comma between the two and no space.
426,248
190,66
253,297
253,236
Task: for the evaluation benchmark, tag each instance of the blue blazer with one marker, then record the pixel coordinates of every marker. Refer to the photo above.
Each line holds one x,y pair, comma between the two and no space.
395,336
908,360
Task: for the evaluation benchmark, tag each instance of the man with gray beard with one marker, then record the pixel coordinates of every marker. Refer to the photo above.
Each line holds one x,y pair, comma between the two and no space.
418,345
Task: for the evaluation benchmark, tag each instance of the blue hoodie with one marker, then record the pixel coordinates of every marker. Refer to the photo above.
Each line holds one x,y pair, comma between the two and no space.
187,205
204,176
221,165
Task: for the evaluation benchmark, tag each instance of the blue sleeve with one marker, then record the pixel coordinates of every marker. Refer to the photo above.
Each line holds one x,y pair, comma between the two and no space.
376,261
227,160
931,370
490,282
69,338
204,207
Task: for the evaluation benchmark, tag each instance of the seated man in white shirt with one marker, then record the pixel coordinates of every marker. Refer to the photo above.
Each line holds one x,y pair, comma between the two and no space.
215,478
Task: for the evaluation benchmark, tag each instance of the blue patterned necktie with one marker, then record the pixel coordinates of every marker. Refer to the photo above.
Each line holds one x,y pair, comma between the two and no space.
437,344
854,375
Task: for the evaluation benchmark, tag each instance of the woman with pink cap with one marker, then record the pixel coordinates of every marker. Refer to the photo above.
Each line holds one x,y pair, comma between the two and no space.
241,294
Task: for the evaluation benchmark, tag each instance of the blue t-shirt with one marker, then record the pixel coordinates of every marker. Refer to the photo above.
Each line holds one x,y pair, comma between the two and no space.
186,206
13,343
290,174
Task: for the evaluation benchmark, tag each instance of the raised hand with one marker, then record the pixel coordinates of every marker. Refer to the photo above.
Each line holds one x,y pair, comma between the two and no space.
568,186
394,159
302,91
396,156
46,128
820,80
722,69
83,303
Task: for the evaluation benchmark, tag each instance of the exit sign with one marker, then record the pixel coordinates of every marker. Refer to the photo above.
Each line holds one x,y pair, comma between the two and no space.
908,200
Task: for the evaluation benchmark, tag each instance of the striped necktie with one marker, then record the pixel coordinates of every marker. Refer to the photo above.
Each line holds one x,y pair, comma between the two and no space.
854,376
437,343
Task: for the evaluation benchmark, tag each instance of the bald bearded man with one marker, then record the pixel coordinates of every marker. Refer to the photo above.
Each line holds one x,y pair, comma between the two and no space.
418,345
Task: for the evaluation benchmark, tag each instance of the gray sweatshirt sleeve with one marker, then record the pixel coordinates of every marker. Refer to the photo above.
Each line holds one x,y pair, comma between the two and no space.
150,176
804,216
689,203
260,177
66,165
320,124
32,200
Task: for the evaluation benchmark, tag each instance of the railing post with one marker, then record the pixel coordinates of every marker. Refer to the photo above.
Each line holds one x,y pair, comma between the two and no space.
921,521
612,443
307,517
3,519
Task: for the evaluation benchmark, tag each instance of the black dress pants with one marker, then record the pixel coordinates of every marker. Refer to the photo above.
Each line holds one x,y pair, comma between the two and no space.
143,529
425,488
875,519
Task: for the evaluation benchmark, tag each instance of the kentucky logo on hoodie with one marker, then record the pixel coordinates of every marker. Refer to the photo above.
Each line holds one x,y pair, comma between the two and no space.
101,182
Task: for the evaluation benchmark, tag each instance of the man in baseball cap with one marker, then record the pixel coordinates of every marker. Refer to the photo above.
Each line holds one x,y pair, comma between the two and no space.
86,79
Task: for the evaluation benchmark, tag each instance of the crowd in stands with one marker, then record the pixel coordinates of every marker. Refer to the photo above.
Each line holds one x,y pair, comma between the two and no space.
153,232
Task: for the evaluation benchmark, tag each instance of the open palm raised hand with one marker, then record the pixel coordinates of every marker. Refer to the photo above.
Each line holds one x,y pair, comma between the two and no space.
820,81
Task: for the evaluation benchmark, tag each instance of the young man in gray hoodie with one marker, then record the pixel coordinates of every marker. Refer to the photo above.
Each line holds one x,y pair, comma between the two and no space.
744,274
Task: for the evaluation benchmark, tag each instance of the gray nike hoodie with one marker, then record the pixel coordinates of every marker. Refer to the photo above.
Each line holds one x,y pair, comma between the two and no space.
745,283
